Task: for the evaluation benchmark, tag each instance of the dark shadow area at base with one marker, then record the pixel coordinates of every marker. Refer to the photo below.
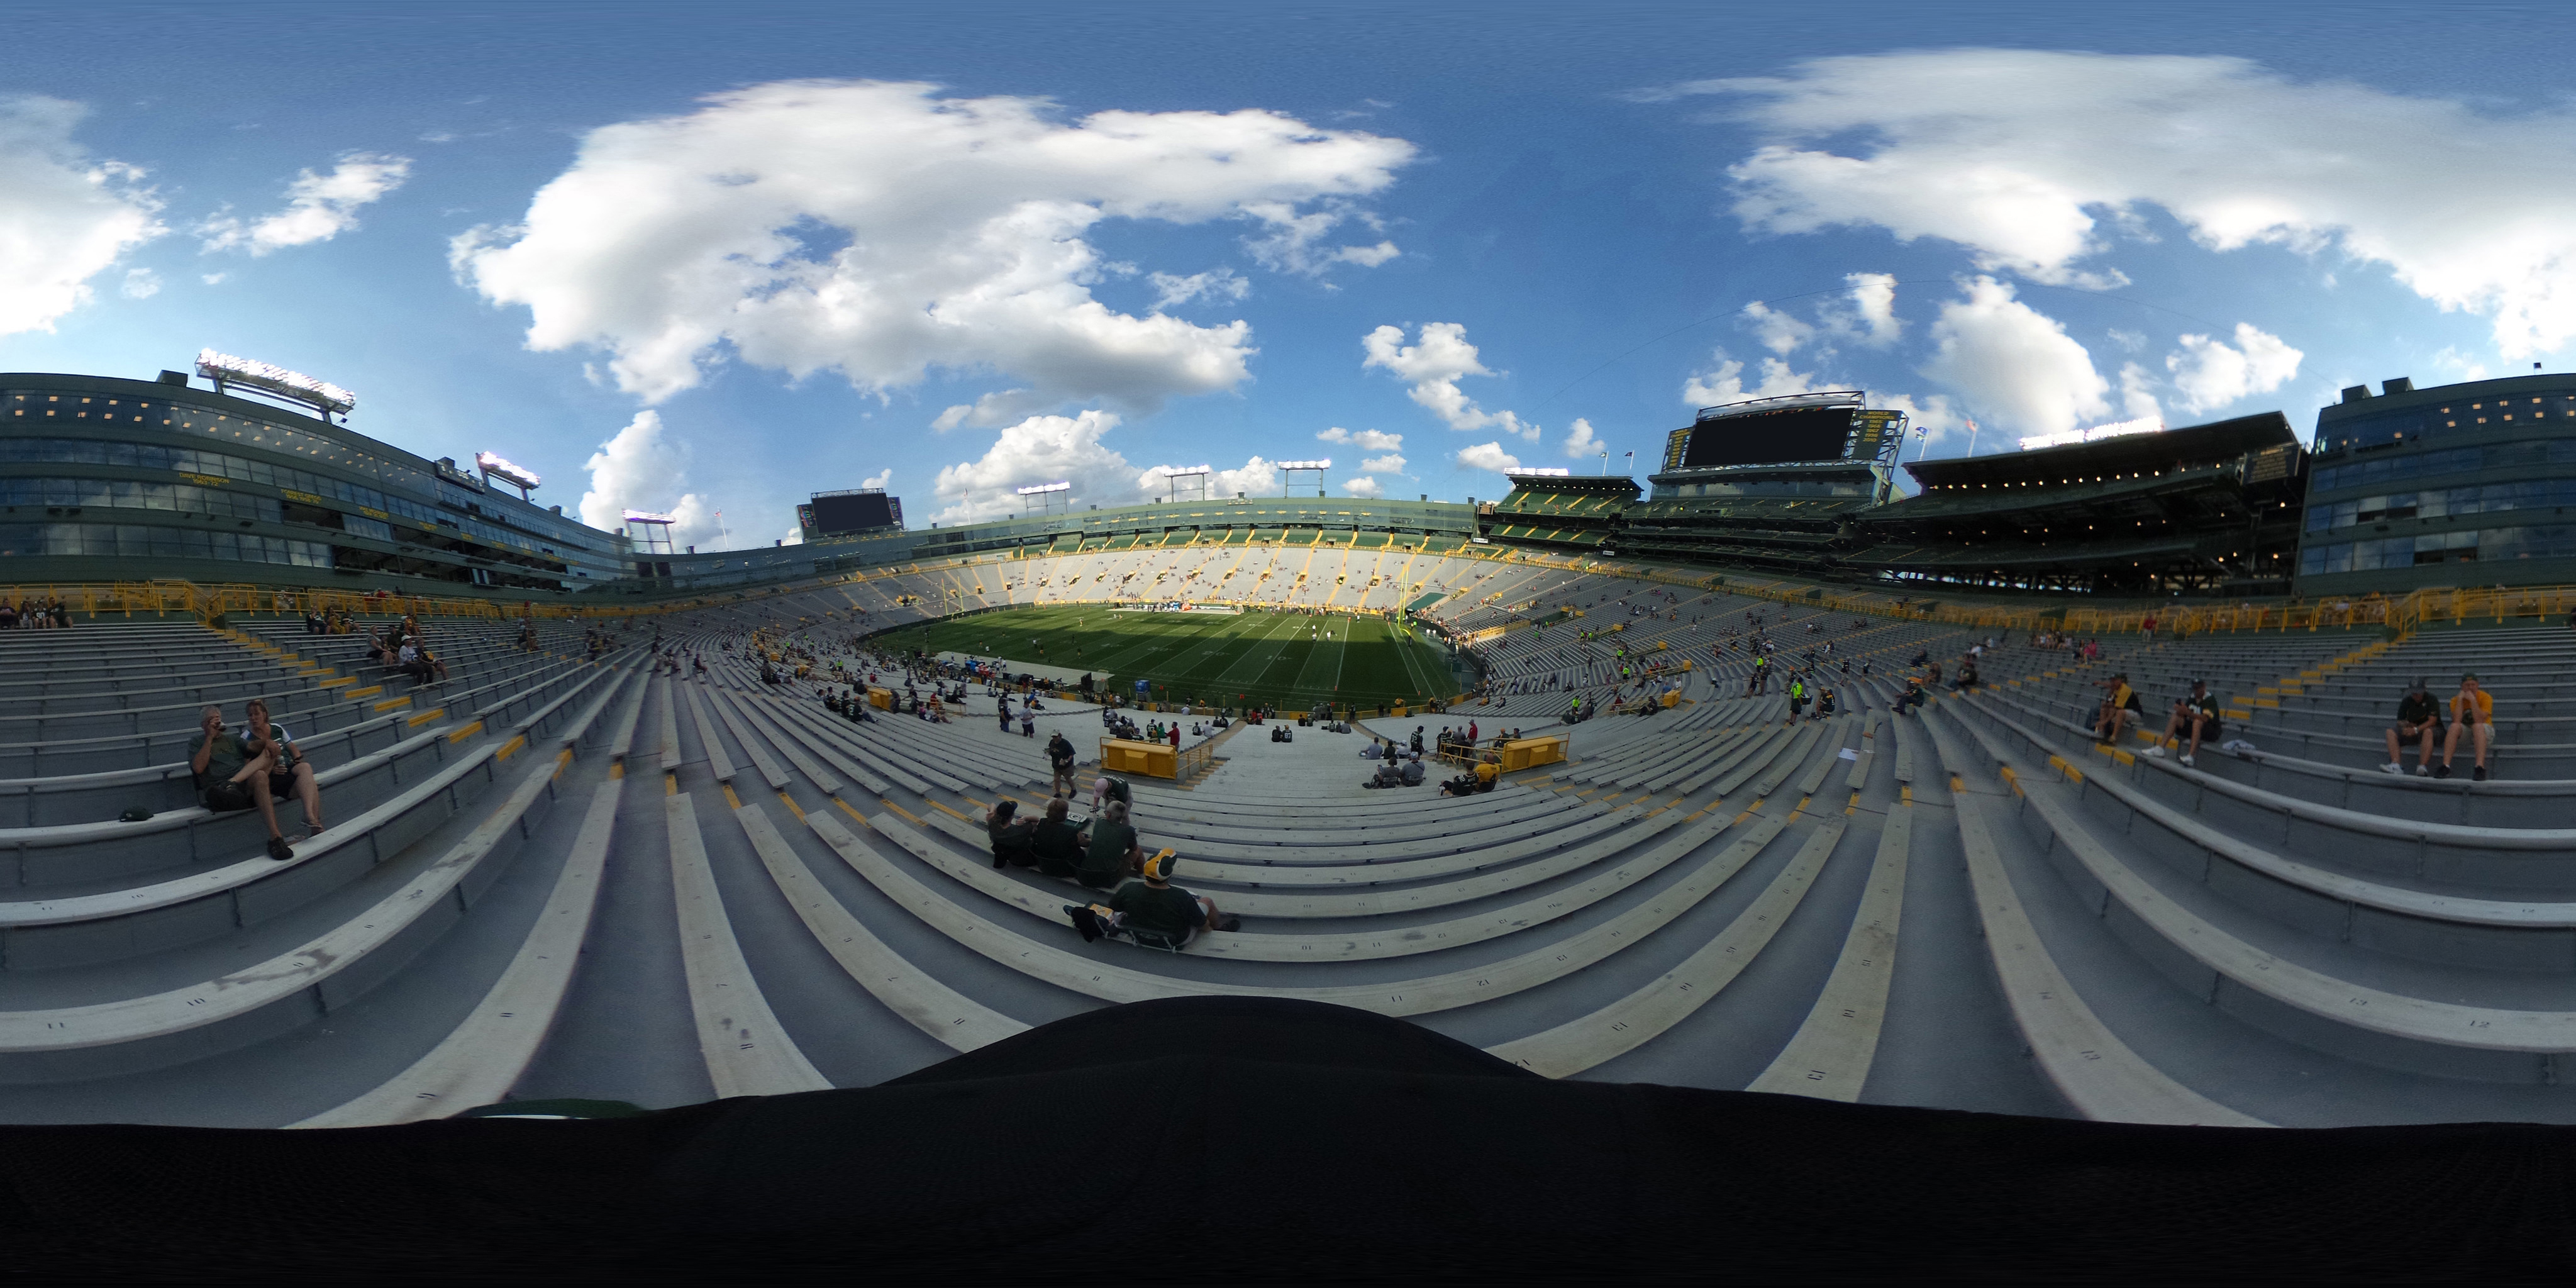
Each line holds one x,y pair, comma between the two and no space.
1230,1138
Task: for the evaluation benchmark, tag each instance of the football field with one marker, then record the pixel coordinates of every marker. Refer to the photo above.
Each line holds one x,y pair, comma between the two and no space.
1213,659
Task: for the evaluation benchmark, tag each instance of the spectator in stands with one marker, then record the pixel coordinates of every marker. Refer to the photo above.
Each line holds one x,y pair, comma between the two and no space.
2197,715
2419,717
291,775
1114,852
1056,843
2119,702
230,776
1010,834
1002,711
1059,751
1913,695
1153,907
1967,674
2473,712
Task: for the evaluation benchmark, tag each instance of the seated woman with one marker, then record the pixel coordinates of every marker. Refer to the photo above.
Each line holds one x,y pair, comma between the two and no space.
1010,834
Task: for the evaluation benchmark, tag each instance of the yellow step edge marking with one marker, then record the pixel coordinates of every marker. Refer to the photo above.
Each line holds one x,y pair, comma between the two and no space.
2124,757
1958,785
670,784
853,812
979,804
730,799
950,812
791,807
466,732
333,684
563,761
907,815
367,692
426,716
390,703
510,748
1853,804
617,771
1905,793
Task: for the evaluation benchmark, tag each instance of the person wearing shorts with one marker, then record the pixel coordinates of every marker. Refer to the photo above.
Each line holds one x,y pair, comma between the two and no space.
230,776
2473,713
2418,719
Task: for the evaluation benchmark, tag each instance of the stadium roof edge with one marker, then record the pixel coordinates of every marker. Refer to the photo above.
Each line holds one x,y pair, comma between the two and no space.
2213,441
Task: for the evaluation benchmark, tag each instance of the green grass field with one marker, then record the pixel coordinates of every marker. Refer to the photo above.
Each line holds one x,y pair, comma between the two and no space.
1265,657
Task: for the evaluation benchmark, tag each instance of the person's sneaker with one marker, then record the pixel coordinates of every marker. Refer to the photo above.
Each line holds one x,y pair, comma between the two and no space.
2185,760
279,850
2442,771
1231,922
2392,767
2478,774
2423,770
2158,751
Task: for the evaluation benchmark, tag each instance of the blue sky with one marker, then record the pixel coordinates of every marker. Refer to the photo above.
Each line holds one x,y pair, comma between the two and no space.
708,258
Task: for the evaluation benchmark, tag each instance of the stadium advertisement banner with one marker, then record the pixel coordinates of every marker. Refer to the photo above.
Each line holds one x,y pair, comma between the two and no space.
1178,606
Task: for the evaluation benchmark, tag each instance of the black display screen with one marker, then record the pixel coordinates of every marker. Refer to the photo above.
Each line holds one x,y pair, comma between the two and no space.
1770,438
854,513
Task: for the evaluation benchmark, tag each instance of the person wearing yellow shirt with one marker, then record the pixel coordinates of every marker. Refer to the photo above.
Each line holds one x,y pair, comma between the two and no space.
2472,711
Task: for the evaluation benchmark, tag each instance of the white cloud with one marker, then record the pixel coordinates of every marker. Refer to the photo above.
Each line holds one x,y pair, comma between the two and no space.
1580,440
1367,440
1387,464
2014,365
2137,394
1434,364
1779,332
2460,365
880,230
319,207
794,536
1215,284
1724,383
141,284
639,468
1040,449
1001,407
1362,486
1937,427
1873,317
64,217
1257,478
1489,456
2209,374
2035,160
215,279
2129,340
878,479
1294,242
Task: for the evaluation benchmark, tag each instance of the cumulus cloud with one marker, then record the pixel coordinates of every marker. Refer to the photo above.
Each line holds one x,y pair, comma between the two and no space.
1040,449
1387,464
64,216
1367,440
1362,486
1434,364
639,468
2039,161
2460,365
1779,332
878,479
1580,440
141,284
1872,318
882,230
1724,383
1256,478
1489,456
1215,284
319,207
2013,364
2210,374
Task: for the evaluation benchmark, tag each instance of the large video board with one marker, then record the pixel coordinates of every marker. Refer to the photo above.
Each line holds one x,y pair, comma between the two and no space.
836,512
1767,438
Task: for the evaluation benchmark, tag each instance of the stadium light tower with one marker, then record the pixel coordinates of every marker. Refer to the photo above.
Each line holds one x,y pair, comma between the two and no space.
1049,498
1288,469
1199,477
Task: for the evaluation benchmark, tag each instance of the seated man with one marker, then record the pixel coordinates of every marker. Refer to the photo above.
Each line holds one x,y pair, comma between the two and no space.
2199,714
1913,695
1010,834
2473,712
1488,772
2119,702
1154,907
291,775
230,776
1824,706
2418,719
1412,771
1114,853
1387,775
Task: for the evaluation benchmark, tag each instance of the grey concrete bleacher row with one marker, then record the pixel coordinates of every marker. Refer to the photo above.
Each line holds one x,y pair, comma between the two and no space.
1970,906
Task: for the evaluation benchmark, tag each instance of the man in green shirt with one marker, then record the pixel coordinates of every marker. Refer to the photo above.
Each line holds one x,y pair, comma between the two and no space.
231,775
1156,907
1056,843
1114,852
